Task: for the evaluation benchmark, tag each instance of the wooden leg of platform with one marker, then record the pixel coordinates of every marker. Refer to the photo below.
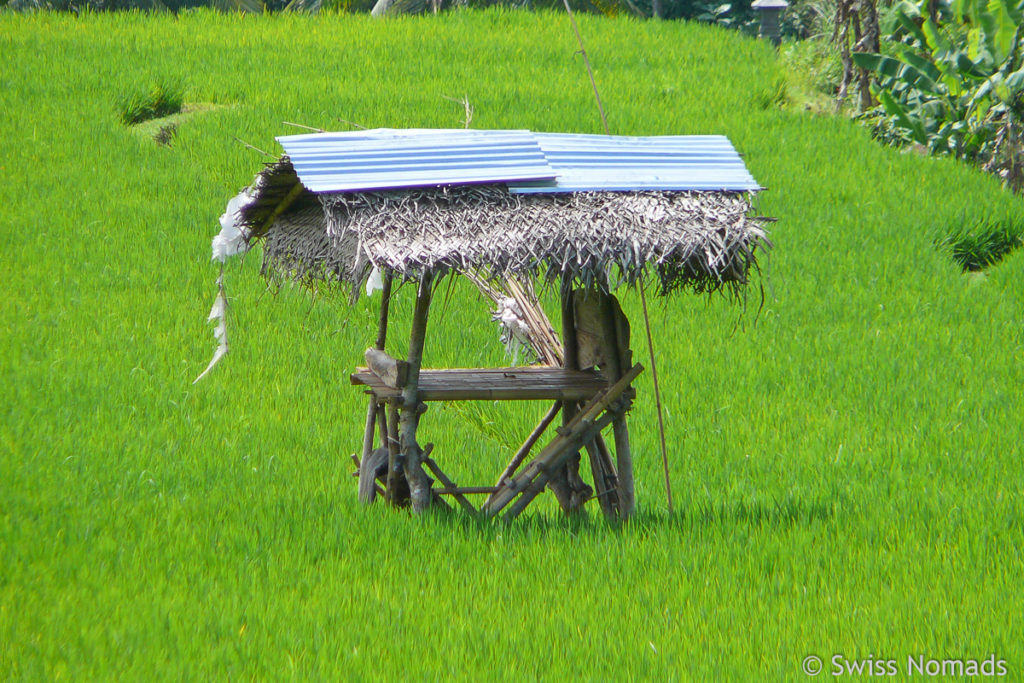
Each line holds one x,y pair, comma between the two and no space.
419,482
371,428
397,491
604,478
616,332
565,482
624,459
382,425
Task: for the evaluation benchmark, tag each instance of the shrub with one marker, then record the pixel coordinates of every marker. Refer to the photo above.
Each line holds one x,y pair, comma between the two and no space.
957,88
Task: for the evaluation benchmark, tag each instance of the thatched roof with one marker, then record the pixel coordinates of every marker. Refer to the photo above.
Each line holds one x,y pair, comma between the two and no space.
688,239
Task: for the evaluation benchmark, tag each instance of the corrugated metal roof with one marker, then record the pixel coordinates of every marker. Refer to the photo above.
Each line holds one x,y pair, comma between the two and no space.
387,159
587,163
528,162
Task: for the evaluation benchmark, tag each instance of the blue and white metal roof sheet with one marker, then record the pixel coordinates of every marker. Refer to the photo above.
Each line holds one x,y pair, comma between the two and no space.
527,162
387,159
590,163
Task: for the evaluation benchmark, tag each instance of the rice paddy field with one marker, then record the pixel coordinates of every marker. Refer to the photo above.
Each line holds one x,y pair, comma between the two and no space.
845,458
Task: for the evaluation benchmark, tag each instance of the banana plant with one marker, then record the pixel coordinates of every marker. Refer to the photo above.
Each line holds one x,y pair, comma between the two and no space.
957,88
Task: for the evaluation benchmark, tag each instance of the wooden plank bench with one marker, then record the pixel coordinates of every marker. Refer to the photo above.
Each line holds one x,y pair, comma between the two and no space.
487,384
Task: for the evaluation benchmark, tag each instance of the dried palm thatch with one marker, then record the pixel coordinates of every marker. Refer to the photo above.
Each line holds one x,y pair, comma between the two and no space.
698,240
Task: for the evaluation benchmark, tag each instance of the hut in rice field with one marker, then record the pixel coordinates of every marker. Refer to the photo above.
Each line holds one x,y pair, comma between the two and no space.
583,213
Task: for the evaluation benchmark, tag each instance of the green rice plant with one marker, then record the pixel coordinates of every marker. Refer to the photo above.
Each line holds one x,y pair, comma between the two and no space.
846,469
984,243
162,99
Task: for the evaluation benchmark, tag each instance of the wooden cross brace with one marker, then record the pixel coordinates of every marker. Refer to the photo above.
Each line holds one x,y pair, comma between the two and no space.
582,429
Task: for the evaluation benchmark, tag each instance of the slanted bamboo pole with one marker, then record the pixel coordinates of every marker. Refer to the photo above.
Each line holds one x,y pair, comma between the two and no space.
449,485
524,450
419,482
584,432
583,428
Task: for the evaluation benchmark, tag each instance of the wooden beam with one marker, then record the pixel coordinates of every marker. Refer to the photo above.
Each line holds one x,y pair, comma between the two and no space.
449,485
492,384
572,437
450,491
419,482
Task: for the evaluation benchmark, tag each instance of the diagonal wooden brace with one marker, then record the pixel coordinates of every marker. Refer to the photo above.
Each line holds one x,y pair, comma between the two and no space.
582,429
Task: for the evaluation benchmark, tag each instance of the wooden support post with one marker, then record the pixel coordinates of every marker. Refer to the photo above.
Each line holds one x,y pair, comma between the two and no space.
565,481
419,482
397,490
382,334
604,478
611,322
382,424
370,428
624,459
600,463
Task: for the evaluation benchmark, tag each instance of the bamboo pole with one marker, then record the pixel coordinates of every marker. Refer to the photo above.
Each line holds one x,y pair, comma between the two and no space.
382,425
382,334
397,490
657,397
449,485
419,482
561,483
623,455
583,428
586,432
524,450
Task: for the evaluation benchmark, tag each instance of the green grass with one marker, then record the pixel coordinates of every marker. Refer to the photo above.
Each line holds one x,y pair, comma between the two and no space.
846,466
987,241
163,129
161,100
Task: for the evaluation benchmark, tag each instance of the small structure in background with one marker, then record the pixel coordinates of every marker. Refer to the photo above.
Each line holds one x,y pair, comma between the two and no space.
505,207
770,12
